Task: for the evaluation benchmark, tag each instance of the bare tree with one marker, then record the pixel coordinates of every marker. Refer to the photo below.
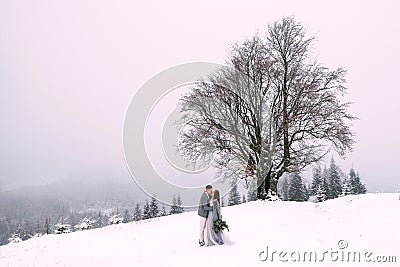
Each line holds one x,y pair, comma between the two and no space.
308,115
224,119
272,111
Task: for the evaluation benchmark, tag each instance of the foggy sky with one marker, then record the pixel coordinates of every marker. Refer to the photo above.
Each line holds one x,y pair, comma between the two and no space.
69,69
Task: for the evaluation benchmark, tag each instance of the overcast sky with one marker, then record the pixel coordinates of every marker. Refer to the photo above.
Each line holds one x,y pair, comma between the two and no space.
69,69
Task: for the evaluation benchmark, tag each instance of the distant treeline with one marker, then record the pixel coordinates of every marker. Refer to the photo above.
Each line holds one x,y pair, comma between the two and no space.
327,183
24,218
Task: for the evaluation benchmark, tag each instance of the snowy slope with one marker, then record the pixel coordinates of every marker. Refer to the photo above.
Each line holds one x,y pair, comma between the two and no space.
368,223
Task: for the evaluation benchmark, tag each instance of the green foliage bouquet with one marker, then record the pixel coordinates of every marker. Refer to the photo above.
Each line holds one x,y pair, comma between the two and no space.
220,225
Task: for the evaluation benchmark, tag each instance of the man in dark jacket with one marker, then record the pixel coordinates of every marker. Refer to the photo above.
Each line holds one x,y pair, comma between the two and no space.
203,210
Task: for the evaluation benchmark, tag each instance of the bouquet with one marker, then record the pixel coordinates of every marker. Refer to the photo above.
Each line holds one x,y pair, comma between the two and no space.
220,225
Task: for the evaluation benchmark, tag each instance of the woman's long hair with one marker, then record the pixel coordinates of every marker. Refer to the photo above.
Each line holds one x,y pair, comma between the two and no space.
217,197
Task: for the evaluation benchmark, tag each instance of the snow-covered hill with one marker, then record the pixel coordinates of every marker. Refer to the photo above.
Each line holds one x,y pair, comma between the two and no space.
365,223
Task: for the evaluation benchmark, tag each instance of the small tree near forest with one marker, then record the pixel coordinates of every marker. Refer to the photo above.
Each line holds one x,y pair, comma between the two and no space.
297,189
252,192
335,183
320,193
146,210
176,206
127,216
137,213
163,211
154,210
346,188
317,181
234,196
355,184
284,188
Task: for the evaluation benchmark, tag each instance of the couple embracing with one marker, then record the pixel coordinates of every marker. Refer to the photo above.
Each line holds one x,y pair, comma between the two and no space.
209,212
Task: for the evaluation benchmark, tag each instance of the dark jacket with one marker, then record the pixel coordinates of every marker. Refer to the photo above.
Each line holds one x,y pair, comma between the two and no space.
204,208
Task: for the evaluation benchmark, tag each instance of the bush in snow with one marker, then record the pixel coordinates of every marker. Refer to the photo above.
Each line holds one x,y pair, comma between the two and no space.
62,228
115,219
38,235
85,224
313,199
14,239
271,196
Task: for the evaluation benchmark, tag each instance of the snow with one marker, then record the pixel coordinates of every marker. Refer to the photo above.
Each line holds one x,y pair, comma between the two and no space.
62,228
87,223
115,219
365,222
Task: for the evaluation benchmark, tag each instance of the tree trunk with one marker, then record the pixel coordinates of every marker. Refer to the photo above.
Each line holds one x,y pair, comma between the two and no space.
262,190
273,185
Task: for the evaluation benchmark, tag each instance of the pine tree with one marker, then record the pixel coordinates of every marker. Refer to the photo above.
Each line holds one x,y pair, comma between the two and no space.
153,212
174,206
307,190
362,189
252,191
47,225
317,180
163,211
355,183
146,210
319,185
99,220
137,213
284,188
105,220
346,188
127,216
320,194
179,204
325,183
234,196
335,184
297,189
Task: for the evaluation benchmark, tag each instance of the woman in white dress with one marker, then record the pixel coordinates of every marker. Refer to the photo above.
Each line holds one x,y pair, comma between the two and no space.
212,237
